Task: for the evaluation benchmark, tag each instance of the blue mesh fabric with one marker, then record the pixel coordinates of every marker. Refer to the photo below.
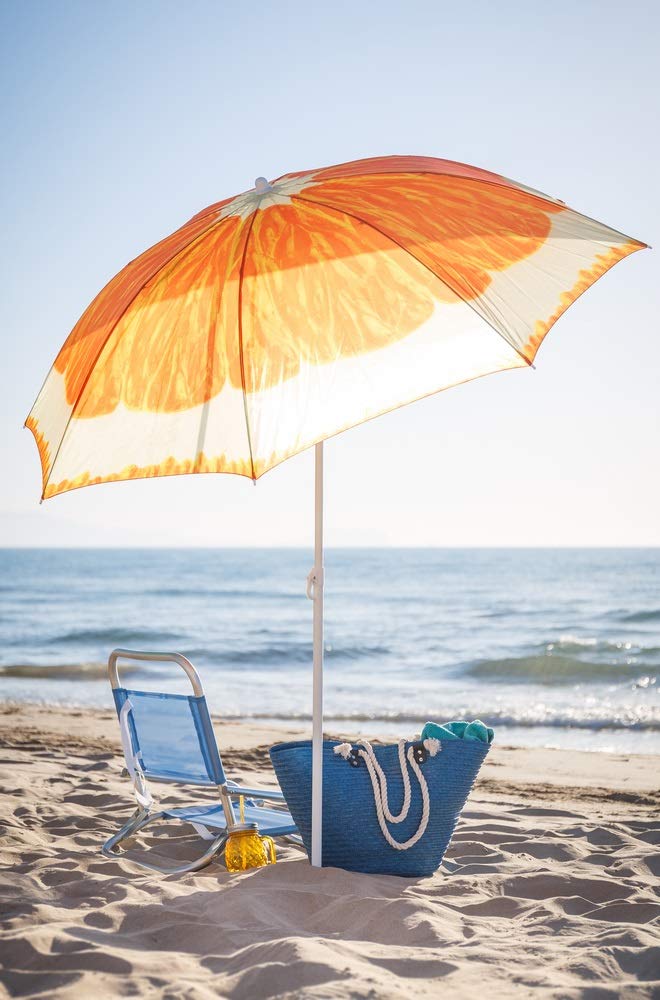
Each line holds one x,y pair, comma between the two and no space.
173,735
206,736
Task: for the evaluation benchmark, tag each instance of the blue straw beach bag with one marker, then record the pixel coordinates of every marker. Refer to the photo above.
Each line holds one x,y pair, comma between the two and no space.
365,794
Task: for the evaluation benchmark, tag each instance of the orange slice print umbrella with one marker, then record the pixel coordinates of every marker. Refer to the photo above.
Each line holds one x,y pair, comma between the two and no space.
280,317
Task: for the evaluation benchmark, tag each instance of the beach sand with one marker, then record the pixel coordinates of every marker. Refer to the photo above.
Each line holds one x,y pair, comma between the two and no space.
553,890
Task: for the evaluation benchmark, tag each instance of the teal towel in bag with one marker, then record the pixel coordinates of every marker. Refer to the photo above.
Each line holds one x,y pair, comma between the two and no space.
476,730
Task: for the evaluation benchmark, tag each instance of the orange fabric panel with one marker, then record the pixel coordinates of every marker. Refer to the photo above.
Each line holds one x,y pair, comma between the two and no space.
86,340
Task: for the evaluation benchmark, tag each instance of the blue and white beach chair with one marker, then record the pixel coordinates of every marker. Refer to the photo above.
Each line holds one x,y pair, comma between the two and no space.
169,738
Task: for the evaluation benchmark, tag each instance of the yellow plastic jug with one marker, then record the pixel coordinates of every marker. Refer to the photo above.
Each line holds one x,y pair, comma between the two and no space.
245,848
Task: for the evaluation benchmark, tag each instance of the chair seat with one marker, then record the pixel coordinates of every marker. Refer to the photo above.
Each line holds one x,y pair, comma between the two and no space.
272,822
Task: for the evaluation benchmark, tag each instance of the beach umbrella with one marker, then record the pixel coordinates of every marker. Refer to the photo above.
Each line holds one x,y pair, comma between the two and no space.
302,307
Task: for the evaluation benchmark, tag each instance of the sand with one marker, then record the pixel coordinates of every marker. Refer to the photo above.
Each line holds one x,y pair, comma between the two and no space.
553,888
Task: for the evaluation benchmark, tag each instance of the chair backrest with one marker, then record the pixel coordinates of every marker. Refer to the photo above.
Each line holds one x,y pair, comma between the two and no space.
171,734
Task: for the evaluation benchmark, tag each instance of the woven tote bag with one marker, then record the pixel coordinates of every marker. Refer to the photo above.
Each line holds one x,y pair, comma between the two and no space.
352,836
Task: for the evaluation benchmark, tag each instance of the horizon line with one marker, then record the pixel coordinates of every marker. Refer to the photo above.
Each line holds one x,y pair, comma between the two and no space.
327,548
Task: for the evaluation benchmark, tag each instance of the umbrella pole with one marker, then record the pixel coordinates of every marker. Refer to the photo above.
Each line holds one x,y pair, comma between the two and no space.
317,684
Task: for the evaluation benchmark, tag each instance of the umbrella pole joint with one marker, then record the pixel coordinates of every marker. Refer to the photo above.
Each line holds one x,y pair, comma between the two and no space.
315,581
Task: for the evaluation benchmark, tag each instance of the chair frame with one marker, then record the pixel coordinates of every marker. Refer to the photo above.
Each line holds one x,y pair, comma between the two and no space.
143,816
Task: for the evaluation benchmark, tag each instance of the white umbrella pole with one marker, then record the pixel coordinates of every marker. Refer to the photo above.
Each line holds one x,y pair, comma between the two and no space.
316,579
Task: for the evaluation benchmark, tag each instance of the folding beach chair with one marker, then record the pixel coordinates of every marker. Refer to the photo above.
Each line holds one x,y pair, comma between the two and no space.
169,738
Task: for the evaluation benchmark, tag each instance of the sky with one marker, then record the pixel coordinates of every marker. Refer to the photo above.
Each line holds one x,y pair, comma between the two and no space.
123,120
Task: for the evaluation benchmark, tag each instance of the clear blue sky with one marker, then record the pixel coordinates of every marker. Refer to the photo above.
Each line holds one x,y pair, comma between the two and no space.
121,120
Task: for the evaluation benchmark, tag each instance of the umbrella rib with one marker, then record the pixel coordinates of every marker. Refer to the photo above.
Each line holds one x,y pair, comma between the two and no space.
210,365
392,239
181,252
240,338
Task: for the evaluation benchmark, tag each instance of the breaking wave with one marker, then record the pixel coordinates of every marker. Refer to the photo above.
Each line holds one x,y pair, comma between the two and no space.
526,719
112,637
652,615
551,668
61,671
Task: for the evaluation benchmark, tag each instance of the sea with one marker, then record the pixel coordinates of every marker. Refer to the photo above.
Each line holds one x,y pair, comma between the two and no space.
551,647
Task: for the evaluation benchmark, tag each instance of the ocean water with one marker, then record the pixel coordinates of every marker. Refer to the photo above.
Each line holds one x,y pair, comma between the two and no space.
551,647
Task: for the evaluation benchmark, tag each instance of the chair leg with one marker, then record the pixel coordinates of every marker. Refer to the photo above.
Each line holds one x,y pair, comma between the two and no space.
137,822
127,830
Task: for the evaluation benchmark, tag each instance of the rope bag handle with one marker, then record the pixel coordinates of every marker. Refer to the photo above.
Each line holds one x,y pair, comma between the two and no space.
416,754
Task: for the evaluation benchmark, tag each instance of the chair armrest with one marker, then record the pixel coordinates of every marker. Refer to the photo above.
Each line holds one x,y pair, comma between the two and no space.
255,793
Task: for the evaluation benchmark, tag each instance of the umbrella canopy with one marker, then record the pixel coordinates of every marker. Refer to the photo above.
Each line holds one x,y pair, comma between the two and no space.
303,307
293,311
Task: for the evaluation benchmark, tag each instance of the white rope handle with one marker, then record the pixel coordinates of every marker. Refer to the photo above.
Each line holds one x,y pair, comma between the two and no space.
379,785
369,756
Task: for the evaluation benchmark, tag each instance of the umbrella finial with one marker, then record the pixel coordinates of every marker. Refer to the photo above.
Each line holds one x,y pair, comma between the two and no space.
261,185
